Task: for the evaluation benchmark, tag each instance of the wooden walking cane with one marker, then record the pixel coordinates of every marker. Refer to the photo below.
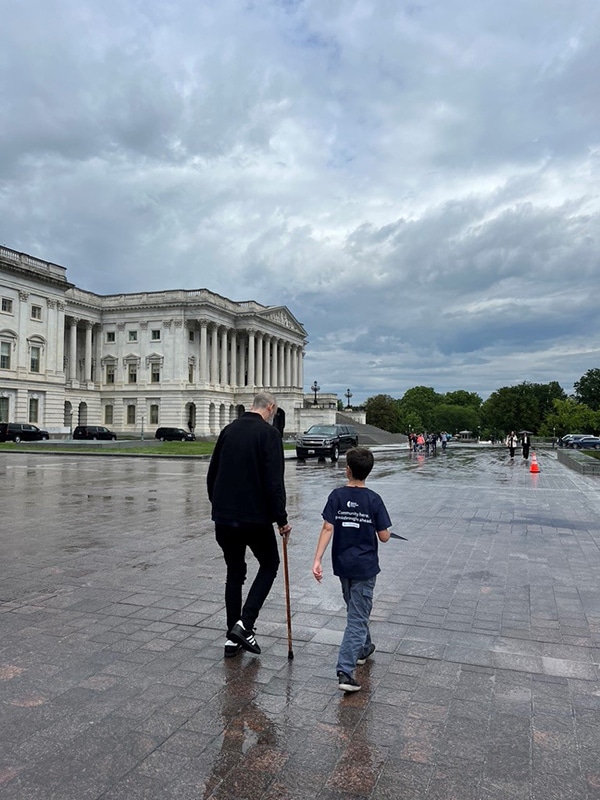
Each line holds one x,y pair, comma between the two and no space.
286,581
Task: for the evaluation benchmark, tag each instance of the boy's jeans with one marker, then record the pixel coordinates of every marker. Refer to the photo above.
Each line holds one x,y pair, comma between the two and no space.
358,595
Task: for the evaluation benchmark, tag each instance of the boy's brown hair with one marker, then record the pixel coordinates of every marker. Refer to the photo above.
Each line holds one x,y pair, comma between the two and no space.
360,462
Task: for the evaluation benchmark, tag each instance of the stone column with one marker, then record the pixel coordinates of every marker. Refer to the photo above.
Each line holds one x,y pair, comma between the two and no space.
88,352
224,379
251,359
73,348
22,352
203,370
60,337
242,364
214,355
267,359
233,359
280,364
274,372
260,378
288,367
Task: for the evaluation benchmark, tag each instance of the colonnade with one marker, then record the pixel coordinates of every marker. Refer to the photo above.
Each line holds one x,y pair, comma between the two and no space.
248,357
223,356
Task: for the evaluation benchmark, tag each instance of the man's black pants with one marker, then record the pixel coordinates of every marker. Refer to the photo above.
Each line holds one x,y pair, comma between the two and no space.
262,541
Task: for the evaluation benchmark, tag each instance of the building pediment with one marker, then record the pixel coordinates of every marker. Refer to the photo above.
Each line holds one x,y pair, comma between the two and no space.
282,316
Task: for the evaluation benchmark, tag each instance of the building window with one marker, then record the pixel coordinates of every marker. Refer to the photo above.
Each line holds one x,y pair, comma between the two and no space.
133,336
3,409
155,335
110,336
131,415
190,373
34,408
155,373
34,361
7,305
110,373
153,415
5,355
191,336
132,375
36,312
108,415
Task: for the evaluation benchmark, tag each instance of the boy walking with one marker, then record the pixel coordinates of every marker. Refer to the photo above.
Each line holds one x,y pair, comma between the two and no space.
356,518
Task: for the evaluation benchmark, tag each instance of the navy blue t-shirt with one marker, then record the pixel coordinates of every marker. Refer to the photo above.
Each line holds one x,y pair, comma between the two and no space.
356,515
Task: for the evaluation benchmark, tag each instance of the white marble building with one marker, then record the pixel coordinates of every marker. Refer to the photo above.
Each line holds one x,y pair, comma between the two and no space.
137,361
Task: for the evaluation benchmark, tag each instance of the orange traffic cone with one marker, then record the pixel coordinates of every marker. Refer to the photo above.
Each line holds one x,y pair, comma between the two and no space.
535,467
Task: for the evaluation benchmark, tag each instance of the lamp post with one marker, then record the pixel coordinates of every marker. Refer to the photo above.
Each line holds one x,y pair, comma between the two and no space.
142,433
553,438
315,388
348,396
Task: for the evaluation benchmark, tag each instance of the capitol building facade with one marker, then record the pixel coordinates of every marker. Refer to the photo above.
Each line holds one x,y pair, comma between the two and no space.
134,362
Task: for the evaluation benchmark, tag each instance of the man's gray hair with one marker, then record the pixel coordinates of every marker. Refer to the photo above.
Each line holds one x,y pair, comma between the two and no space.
263,400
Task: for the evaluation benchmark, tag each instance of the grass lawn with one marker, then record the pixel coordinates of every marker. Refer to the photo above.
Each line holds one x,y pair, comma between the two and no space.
198,448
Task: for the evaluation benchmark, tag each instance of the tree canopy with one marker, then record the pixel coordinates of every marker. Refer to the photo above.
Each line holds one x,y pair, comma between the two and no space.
542,408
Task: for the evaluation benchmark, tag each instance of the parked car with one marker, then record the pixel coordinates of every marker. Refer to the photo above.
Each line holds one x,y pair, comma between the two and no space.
174,435
21,432
326,440
569,438
93,432
586,443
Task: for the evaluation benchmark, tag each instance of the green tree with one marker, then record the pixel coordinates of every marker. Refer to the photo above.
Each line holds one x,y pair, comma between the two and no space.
382,411
587,389
420,400
453,418
511,408
569,416
410,421
462,398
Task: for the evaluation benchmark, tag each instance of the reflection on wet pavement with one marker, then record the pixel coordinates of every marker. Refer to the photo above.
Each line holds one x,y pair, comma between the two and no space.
487,625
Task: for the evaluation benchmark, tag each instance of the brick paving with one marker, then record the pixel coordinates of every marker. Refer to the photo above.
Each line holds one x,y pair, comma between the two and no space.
485,684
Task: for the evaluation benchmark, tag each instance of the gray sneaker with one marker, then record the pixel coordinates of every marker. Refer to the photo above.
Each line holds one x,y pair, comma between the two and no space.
363,659
347,683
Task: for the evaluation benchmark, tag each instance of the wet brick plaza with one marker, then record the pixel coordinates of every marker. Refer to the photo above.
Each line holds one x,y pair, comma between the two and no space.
484,686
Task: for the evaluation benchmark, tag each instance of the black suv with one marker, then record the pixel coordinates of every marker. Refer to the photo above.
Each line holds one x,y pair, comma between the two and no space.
326,440
93,432
174,435
21,432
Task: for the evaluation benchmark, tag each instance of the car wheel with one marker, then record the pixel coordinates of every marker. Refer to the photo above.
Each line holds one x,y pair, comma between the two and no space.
94,438
182,439
335,452
162,438
17,439
597,447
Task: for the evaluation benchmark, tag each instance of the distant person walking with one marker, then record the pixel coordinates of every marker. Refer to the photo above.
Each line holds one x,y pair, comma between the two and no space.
525,444
512,442
247,492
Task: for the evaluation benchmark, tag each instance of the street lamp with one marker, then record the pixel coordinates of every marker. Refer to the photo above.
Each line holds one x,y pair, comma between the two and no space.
348,395
315,388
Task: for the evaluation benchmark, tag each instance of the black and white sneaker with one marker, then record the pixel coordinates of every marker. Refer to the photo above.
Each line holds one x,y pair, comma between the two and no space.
232,648
246,638
347,683
363,659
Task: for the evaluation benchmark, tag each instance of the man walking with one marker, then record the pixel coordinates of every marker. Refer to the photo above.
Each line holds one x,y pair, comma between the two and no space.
247,493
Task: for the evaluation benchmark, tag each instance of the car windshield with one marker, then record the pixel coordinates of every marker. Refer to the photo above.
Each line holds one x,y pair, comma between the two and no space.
323,430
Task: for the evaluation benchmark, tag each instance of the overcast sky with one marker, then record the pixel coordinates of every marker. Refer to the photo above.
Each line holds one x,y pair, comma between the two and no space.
417,181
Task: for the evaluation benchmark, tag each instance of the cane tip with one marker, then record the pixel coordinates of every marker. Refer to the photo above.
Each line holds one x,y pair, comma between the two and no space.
290,655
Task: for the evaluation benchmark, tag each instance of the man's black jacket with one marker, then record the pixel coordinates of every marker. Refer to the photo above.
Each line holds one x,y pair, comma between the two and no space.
245,476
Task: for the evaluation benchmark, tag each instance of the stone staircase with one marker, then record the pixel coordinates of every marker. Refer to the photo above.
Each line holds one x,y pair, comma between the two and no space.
369,434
